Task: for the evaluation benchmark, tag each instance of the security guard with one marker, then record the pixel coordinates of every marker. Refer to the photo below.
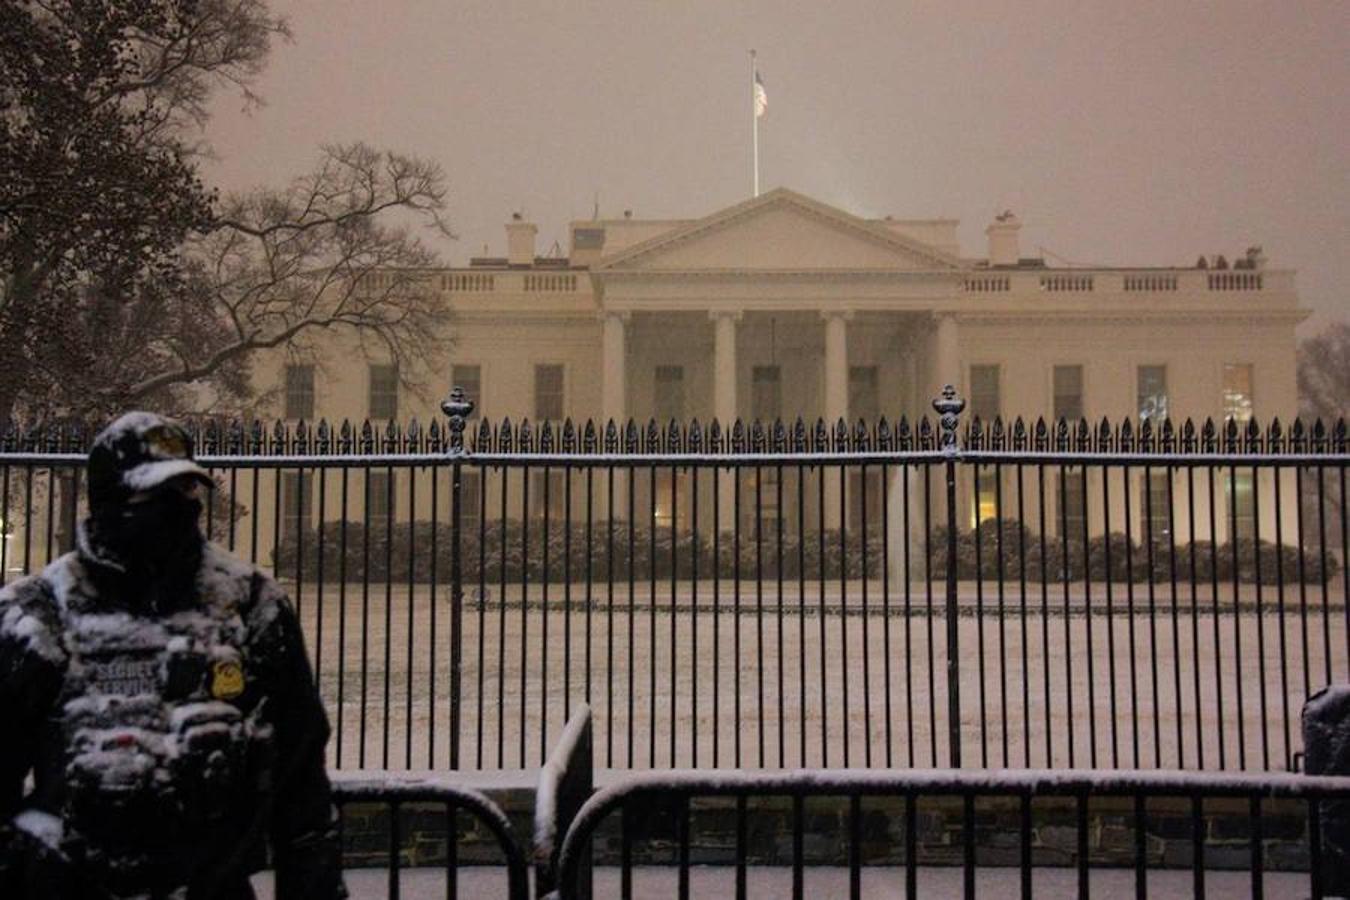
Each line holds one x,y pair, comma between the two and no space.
158,692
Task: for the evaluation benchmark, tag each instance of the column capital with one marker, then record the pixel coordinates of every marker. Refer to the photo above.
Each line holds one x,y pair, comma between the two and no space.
734,315
844,314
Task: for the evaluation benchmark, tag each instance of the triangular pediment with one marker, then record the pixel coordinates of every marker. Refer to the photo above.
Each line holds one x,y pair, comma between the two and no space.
781,230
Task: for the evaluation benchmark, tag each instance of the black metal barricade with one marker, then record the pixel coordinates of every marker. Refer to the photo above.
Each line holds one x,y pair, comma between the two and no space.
931,837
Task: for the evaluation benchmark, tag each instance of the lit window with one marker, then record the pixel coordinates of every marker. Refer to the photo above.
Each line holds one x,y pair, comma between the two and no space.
1068,393
1237,391
384,391
864,401
669,397
986,499
299,392
1151,392
548,392
470,378
672,499
766,393
984,399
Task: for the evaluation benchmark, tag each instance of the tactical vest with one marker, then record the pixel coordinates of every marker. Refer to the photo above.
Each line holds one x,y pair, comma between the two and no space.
166,757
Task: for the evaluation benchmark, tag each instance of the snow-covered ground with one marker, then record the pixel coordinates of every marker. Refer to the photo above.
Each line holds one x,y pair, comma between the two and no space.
829,882
1175,687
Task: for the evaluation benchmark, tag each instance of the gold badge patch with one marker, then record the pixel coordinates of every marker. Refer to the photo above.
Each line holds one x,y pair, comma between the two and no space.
227,680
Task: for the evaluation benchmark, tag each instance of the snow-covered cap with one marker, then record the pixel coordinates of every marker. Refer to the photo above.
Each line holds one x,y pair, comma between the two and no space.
138,452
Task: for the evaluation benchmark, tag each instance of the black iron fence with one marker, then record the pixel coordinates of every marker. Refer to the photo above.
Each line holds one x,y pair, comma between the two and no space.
894,594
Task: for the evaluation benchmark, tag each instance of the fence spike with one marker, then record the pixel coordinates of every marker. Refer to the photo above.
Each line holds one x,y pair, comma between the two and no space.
525,435
569,436
715,437
545,436
1297,435
695,436
820,437
799,440
1167,435
589,442
925,433
1209,436
1338,436
1041,436
885,436
630,437
738,437
757,436
674,439
611,437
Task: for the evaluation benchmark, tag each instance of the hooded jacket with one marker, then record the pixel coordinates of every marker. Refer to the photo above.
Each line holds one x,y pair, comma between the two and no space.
173,732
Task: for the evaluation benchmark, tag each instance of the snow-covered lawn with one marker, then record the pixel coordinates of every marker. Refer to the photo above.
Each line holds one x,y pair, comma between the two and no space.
1172,687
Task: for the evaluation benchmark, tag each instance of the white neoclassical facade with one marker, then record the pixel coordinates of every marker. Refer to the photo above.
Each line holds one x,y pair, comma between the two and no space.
783,306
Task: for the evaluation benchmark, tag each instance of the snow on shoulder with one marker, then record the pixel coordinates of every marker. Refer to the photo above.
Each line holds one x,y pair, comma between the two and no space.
28,616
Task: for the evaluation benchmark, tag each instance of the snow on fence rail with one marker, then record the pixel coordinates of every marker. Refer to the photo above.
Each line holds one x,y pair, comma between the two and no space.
1150,595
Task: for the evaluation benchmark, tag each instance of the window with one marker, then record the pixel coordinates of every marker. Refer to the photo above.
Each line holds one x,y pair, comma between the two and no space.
299,392
984,400
555,492
870,492
1072,502
864,401
548,392
1242,505
296,494
672,499
986,498
1157,510
384,391
470,489
1237,392
381,487
669,398
1068,393
469,377
1151,391
766,393
765,500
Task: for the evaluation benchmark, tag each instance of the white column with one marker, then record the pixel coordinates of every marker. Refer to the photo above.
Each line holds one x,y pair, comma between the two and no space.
614,365
724,367
836,398
947,356
836,365
724,404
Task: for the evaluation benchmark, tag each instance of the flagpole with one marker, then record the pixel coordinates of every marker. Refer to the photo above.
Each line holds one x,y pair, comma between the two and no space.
754,123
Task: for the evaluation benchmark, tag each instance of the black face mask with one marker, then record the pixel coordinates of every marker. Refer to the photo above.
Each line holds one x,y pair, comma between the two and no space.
158,536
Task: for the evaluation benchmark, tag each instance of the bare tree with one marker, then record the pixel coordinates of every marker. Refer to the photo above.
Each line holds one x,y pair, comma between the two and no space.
125,280
1324,393
1324,375
281,267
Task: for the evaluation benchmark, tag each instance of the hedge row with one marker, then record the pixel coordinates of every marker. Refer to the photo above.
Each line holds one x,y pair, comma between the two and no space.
645,553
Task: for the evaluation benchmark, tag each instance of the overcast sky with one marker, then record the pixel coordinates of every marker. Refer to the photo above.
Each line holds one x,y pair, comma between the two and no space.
1122,133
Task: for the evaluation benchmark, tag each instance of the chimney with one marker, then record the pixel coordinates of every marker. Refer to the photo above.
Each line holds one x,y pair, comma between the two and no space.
520,241
1002,233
